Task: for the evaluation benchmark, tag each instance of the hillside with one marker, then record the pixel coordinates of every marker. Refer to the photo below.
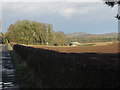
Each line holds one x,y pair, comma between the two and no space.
92,38
86,35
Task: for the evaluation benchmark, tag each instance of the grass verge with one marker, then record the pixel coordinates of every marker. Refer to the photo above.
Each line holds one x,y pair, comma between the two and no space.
9,47
22,71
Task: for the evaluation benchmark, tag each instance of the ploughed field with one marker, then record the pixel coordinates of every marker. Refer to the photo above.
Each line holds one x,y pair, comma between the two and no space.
112,48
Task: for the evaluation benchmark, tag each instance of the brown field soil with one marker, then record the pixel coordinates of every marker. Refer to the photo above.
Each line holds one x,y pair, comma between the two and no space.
112,48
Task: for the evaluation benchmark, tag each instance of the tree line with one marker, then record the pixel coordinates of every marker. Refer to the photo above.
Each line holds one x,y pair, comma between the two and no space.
93,40
31,32
36,33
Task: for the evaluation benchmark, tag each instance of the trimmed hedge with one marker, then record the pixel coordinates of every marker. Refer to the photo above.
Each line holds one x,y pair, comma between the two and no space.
51,69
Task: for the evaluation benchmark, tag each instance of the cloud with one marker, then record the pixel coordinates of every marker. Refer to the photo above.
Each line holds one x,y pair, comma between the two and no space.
63,16
65,10
68,12
0,9
72,12
0,16
52,1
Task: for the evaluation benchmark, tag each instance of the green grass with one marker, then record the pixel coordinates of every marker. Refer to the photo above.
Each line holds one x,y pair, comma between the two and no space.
70,46
88,45
9,47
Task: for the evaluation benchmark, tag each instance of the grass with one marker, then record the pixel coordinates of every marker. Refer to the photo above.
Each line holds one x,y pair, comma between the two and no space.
0,47
21,70
88,45
82,45
9,47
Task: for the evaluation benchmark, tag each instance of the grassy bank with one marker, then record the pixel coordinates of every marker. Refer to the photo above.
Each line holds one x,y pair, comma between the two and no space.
10,48
22,70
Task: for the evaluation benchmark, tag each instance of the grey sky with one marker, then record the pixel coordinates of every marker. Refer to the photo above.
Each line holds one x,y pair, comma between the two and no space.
90,17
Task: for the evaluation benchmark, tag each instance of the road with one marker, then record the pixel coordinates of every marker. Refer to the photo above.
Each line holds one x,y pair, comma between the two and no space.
8,80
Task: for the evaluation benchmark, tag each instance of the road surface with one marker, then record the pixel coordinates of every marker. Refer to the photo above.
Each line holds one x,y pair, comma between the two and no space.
8,80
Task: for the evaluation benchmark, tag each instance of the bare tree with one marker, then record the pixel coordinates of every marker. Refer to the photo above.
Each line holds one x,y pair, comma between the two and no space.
112,3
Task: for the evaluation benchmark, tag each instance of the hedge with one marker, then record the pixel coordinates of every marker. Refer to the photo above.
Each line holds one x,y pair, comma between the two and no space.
52,69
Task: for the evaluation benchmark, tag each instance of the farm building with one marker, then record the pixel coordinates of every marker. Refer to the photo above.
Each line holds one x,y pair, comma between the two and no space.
74,43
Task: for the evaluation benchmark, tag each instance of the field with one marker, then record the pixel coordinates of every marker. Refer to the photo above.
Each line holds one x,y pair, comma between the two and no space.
110,48
71,67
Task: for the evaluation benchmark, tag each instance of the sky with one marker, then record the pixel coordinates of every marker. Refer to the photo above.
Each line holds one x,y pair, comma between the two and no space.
67,16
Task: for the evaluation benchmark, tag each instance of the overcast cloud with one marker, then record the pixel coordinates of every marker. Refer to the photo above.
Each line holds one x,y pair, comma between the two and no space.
65,10
63,15
51,0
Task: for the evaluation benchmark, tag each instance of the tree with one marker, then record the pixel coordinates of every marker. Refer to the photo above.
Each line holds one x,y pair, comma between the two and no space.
112,3
29,32
59,38
49,33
